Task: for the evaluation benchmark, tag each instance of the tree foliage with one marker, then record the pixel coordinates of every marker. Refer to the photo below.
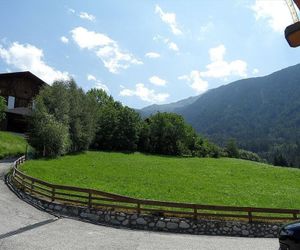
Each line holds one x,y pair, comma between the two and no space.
65,112
117,127
167,133
2,108
67,120
232,149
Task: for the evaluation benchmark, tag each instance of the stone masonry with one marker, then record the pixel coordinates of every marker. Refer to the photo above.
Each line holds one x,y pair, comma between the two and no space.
153,222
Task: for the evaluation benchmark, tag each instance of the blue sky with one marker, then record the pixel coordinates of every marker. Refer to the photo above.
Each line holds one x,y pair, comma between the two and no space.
144,51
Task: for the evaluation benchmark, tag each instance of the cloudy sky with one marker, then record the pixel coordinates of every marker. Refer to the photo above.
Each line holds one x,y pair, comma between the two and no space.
143,51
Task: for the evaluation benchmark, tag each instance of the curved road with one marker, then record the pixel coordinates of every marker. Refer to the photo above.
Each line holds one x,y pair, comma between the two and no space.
24,227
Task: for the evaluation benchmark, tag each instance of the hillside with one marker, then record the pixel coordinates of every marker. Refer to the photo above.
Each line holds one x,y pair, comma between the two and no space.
171,107
262,114
11,145
222,181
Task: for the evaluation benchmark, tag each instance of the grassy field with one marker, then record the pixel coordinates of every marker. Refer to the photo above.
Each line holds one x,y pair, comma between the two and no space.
198,180
11,144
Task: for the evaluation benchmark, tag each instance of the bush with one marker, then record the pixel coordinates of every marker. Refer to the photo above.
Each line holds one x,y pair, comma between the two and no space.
248,155
2,108
232,149
167,133
49,137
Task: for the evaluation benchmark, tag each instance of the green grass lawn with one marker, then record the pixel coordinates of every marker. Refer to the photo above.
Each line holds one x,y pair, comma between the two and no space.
197,180
11,144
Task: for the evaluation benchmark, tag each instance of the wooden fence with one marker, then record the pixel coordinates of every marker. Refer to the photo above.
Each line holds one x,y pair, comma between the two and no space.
91,198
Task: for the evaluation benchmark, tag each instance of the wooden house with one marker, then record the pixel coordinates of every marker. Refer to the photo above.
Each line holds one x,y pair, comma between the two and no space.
19,90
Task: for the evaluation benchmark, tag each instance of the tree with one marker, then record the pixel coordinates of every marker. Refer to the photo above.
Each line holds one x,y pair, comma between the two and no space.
67,113
167,133
47,135
2,108
117,127
279,160
232,149
81,118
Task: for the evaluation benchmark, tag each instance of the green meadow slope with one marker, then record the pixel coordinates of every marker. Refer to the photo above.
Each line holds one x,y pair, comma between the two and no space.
221,181
11,144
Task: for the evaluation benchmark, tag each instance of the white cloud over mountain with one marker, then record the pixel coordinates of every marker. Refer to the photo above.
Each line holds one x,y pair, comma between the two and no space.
195,81
220,68
217,68
145,94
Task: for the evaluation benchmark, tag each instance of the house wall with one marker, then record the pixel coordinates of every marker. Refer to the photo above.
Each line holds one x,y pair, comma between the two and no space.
23,89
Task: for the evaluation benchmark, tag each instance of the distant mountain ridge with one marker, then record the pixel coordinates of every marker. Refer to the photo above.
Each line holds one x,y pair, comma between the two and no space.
262,114
171,107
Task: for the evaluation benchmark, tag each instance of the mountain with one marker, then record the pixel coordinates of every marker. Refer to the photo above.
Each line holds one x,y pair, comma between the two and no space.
262,114
171,107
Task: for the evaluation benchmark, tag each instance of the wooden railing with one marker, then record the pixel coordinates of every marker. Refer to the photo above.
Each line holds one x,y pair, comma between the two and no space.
91,198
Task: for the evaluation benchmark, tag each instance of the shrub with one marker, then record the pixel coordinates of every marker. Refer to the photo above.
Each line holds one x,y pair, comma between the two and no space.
2,108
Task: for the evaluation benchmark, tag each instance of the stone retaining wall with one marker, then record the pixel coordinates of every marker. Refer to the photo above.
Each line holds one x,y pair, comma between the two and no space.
155,222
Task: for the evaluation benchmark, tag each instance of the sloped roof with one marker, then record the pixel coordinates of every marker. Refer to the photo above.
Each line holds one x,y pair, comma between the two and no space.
23,74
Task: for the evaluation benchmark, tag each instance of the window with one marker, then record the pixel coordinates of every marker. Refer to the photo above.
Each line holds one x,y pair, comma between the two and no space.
11,102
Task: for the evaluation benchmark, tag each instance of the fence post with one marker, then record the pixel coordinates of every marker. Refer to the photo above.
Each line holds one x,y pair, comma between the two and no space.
53,194
23,185
90,200
31,187
250,216
195,213
138,208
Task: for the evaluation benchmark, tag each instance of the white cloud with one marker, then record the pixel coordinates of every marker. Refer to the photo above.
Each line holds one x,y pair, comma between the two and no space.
195,81
145,94
275,13
171,45
219,68
157,81
64,39
105,48
86,39
70,10
255,71
27,57
152,55
97,83
170,19
91,78
87,16
207,27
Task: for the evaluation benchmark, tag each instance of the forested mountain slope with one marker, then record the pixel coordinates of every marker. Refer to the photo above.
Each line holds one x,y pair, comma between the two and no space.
262,114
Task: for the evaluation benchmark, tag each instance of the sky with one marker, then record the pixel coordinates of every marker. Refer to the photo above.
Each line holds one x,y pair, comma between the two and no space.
142,51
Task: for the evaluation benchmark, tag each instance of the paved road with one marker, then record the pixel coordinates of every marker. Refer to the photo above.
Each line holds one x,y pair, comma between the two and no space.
23,227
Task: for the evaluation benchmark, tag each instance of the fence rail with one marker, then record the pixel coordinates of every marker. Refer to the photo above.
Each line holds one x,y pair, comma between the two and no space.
98,199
